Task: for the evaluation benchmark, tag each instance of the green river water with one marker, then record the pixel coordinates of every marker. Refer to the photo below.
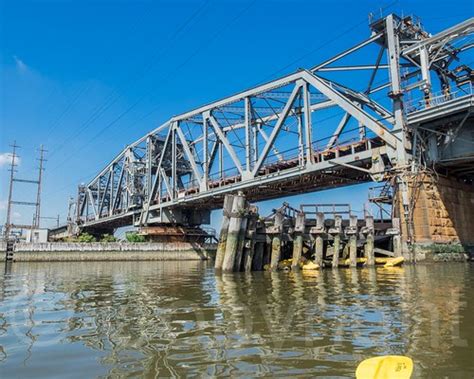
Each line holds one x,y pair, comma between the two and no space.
180,319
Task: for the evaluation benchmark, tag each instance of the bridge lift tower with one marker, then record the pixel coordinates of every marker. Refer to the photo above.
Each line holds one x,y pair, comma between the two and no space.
396,107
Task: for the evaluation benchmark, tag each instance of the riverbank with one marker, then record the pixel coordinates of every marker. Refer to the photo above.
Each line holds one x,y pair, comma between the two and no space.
110,251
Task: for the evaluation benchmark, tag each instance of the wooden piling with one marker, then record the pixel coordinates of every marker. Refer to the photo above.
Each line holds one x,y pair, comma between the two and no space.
276,240
298,240
249,247
336,248
368,230
232,244
353,251
318,247
257,263
397,245
267,252
336,231
396,239
351,231
227,208
369,250
318,232
239,260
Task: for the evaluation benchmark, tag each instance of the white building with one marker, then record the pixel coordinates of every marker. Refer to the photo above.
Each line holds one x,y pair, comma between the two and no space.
37,235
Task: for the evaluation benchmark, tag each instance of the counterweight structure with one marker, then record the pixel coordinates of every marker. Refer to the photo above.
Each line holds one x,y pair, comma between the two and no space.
398,102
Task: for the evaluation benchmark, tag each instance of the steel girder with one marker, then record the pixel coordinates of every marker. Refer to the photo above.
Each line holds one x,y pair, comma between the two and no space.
281,129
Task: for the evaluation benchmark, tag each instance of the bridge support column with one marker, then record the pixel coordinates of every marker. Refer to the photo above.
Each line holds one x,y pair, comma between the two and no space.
249,248
239,255
336,231
351,231
318,232
368,231
353,251
440,212
220,253
369,250
277,230
336,251
298,240
318,247
232,243
257,263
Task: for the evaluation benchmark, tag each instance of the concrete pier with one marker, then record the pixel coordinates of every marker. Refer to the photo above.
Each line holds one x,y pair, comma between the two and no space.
232,243
276,240
220,253
298,240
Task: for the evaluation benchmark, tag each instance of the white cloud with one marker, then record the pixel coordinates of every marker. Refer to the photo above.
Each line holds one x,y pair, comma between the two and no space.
6,159
3,205
22,67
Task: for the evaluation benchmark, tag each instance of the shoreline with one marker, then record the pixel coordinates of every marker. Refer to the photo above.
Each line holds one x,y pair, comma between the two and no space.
110,251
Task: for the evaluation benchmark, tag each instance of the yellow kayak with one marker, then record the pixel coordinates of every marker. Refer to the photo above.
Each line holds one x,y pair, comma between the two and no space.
385,367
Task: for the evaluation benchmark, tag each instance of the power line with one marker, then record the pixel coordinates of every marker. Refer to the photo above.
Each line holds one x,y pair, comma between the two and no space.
184,63
115,95
85,88
324,44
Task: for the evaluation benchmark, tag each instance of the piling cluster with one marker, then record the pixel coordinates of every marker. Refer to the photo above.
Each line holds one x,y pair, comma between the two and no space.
289,239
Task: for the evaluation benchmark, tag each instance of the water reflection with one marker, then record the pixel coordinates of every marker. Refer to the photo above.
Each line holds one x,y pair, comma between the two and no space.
173,319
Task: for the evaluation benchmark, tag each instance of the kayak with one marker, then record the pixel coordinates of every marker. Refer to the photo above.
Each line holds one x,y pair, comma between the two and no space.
385,367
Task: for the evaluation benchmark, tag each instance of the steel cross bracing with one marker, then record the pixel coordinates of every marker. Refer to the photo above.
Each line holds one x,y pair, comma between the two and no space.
341,122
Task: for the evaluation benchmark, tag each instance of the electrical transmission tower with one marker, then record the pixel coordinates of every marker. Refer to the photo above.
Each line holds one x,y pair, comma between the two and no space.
10,190
37,204
41,159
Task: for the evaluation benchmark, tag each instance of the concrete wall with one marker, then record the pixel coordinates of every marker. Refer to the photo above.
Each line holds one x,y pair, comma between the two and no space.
443,211
113,251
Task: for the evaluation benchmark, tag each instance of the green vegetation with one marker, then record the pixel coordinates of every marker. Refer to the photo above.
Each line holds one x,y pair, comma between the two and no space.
446,248
86,237
108,238
134,237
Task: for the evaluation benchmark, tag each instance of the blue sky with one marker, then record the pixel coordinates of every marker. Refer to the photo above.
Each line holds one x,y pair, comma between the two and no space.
85,78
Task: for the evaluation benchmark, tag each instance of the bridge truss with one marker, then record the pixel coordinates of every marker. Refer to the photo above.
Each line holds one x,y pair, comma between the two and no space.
344,121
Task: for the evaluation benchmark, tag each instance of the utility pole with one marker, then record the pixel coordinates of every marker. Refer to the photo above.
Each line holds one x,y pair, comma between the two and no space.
10,191
38,194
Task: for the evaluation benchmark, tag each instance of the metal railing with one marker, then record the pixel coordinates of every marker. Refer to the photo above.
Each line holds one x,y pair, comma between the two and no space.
437,99
311,210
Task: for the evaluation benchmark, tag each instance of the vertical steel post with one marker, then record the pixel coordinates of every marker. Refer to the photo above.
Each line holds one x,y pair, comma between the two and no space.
307,123
300,139
425,73
38,193
174,179
149,151
111,192
205,153
393,50
10,190
248,131
221,160
255,142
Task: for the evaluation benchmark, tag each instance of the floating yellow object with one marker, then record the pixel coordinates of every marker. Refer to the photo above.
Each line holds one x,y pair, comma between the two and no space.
385,367
394,262
378,261
310,266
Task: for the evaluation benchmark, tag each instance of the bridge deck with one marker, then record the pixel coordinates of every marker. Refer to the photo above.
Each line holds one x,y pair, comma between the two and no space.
281,178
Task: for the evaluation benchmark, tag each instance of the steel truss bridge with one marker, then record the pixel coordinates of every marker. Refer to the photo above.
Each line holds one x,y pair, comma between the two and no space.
387,105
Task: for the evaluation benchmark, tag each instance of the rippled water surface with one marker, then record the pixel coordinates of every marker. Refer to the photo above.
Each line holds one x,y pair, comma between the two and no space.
154,319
